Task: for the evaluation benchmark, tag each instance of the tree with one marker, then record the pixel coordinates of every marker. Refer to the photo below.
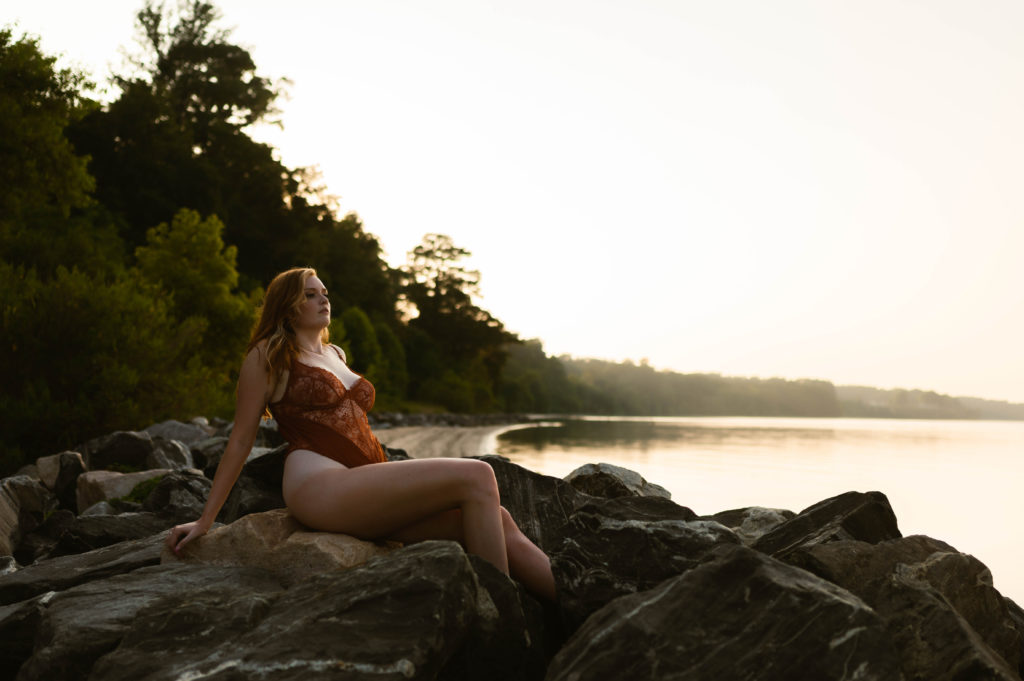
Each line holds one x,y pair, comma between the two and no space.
441,289
47,217
81,356
188,265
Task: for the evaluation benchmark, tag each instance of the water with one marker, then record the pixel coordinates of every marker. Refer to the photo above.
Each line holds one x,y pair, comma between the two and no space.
958,481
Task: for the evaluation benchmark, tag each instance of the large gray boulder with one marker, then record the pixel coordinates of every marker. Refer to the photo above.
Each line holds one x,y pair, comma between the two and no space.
863,516
96,486
59,473
57,574
134,450
753,522
614,547
186,433
739,616
85,622
403,616
608,480
24,503
940,606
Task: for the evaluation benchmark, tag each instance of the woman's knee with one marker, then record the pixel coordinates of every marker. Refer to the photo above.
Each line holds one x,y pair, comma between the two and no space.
480,481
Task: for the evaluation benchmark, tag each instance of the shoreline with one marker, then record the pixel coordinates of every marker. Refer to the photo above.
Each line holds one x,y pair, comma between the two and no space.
423,442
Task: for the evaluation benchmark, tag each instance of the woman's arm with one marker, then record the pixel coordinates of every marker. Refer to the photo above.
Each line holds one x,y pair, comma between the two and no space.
253,393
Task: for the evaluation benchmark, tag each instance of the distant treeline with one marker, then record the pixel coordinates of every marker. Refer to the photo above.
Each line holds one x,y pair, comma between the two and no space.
536,382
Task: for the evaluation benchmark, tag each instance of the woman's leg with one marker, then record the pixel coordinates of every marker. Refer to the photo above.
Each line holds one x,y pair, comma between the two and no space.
526,561
379,500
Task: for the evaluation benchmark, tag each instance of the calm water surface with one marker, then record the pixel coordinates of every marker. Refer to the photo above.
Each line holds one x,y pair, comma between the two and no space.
958,481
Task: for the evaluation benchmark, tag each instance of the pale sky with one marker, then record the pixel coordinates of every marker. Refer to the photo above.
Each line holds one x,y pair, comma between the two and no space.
807,189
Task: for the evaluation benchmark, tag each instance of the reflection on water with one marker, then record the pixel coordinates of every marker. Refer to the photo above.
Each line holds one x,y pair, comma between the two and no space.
954,480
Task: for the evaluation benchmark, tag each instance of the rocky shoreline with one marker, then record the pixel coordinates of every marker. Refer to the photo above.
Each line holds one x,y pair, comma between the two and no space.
646,588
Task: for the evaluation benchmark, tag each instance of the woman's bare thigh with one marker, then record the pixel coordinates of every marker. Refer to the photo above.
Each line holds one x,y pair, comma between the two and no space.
379,500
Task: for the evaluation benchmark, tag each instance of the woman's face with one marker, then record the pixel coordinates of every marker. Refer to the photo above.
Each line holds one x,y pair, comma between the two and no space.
315,311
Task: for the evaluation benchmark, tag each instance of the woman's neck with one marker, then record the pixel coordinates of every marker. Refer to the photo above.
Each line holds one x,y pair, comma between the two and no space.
309,342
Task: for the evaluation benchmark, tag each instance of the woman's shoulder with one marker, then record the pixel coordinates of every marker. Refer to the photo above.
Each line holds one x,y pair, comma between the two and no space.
341,353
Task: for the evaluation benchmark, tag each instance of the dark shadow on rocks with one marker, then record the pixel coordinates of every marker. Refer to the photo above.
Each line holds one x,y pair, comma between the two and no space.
740,616
864,516
940,606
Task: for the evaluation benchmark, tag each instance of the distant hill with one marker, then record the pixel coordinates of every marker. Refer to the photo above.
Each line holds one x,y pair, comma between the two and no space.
864,401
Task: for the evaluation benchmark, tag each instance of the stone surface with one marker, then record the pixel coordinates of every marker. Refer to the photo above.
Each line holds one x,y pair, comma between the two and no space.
125,448
863,516
179,496
752,523
99,508
169,454
401,616
64,572
87,533
510,641
186,433
740,615
19,623
613,550
607,480
42,540
24,503
82,623
277,542
59,473
95,486
939,605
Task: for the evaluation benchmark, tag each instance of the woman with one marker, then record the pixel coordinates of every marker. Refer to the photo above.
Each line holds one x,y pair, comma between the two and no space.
336,478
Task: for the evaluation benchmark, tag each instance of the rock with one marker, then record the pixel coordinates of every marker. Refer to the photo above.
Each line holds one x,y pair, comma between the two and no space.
864,516
64,572
179,496
510,641
42,540
266,465
87,533
169,454
83,623
250,496
10,534
752,523
940,606
18,625
24,503
7,565
395,454
740,615
207,453
186,433
612,550
95,486
123,448
277,542
401,616
59,473
607,480
99,508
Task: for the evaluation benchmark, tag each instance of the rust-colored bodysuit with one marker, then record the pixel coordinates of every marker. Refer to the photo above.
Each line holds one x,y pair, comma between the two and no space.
317,412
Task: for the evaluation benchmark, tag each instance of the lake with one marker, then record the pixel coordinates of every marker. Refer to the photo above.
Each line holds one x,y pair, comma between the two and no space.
957,481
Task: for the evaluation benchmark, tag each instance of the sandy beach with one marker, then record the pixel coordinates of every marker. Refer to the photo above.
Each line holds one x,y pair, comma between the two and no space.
422,442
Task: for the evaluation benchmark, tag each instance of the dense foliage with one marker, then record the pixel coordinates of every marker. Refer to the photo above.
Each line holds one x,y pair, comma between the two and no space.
135,237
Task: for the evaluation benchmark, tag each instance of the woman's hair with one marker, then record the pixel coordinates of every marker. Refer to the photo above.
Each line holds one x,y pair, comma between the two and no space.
285,294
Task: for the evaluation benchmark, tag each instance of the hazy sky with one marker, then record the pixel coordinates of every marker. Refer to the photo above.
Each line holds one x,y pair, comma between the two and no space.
800,189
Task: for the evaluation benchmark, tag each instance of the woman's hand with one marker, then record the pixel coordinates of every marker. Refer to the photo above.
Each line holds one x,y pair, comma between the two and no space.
181,535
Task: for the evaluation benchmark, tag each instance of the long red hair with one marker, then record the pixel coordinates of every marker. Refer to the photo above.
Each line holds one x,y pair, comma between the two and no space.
280,307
